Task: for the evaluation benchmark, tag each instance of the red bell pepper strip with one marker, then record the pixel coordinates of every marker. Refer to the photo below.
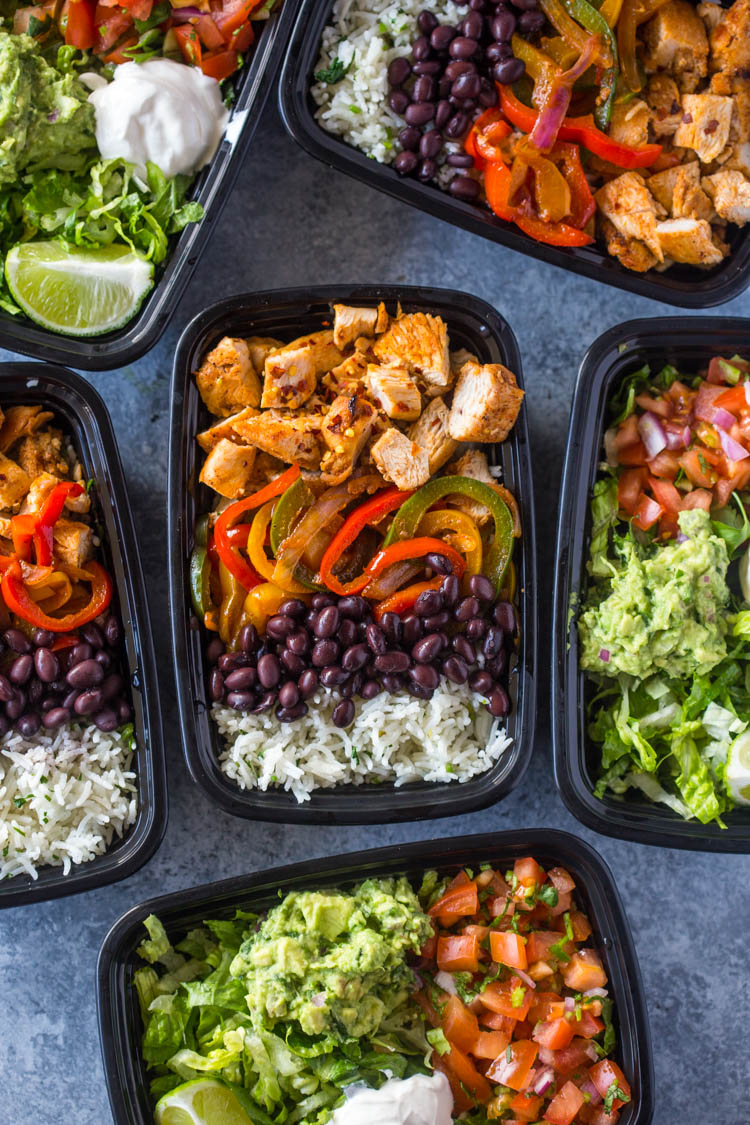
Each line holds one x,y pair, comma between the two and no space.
580,129
489,129
403,600
80,30
582,203
398,552
227,547
497,180
372,511
22,605
39,526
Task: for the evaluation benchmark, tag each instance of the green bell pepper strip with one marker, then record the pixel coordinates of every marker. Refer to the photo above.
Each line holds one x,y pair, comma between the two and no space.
201,531
290,506
200,581
588,16
407,518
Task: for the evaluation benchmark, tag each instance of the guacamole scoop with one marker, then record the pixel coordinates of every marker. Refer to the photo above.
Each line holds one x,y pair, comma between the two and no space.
665,612
46,120
333,962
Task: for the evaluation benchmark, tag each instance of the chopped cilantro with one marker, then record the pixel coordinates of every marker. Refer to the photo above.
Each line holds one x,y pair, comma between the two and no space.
355,109
508,1053
19,802
37,26
44,779
557,949
613,1092
548,895
334,73
609,1037
517,996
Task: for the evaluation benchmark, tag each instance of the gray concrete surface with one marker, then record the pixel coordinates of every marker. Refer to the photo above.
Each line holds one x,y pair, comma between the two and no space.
291,221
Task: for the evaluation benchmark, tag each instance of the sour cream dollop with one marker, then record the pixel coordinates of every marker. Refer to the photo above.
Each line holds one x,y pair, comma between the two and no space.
420,1100
160,111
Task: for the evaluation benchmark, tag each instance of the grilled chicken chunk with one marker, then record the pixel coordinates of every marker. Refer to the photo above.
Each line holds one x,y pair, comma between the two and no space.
227,380
689,241
665,102
228,468
18,421
290,437
345,430
351,322
730,192
706,120
632,210
225,429
393,390
41,453
347,377
679,191
290,378
633,254
676,41
40,489
419,342
14,482
431,432
258,348
73,542
486,402
630,122
401,460
730,40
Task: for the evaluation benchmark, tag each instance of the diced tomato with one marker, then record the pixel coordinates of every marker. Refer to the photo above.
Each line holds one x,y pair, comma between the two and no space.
554,1034
698,467
633,454
458,902
734,400
139,9
562,906
565,1105
606,1072
581,925
540,942
119,53
80,30
479,932
498,997
528,872
587,1026
597,1115
666,465
666,494
501,907
219,64
584,971
561,879
497,1022
464,1069
573,1058
243,38
546,1006
111,25
189,43
460,1025
428,950
490,1044
526,1106
208,32
630,485
647,512
458,953
660,406
514,1065
627,433
697,498
682,396
233,14
461,1100
508,948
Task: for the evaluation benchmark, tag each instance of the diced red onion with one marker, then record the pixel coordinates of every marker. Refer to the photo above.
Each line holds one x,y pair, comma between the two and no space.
543,1080
595,992
732,448
588,1087
527,980
418,980
590,1051
604,655
446,982
569,1004
677,438
183,15
723,419
546,1057
682,537
318,1000
552,115
652,434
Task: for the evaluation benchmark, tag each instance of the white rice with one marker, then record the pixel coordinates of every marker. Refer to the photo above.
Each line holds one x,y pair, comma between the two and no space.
365,36
397,738
64,796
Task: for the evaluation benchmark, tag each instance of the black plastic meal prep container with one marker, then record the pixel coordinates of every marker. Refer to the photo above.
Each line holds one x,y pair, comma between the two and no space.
212,188
120,1027
84,417
681,285
689,344
288,314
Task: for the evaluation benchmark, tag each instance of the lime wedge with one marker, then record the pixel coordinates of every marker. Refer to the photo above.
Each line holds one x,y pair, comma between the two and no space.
78,292
737,771
201,1102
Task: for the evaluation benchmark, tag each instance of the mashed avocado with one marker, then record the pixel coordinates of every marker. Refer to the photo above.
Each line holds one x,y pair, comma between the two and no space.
665,612
46,120
334,962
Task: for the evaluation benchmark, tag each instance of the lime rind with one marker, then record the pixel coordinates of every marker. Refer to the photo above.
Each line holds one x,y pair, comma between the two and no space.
203,1101
737,769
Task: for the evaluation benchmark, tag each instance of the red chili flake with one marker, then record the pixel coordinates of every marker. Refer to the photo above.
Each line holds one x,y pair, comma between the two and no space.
711,127
687,118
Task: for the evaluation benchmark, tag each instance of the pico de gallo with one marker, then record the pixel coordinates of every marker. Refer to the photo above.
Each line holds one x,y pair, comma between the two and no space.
517,1000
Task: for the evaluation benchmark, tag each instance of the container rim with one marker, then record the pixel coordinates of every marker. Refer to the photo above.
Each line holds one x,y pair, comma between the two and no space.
81,408
181,908
619,349
351,804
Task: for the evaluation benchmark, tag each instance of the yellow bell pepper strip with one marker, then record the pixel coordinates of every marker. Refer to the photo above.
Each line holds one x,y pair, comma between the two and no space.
595,22
450,519
263,602
583,131
410,514
578,37
610,11
558,50
556,102
497,186
371,511
229,552
230,610
551,190
256,549
19,602
633,14
543,70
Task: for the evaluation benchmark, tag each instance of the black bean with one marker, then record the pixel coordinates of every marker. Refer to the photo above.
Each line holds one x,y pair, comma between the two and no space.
467,86
69,699
56,717
476,627
46,665
42,637
463,187
481,683
35,691
458,67
525,5
214,650
419,113
398,71
308,683
429,147
496,667
477,5
269,670
240,700
108,719
81,652
280,626
427,649
409,139
418,690
299,642
497,52
493,642
463,104
21,669
466,608
293,607
441,37
49,702
426,22
248,638
508,71
289,694
343,713
429,602
391,663
325,652
241,679
57,687
347,633
93,635
436,621
320,601
455,669
89,702
439,563
265,703
399,101
290,714
443,111
352,605
17,641
333,675
459,160
456,128
503,26
424,89
102,657
450,589
430,67
530,23
462,47
376,639
112,686
328,622
370,688
28,724
481,588
411,628
472,25
112,630
294,665
444,89
488,94
504,615
87,674
352,685
463,648
392,626
124,712
499,704
355,658
425,675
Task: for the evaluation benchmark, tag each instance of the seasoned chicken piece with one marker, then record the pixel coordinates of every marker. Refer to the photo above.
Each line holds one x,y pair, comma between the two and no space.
14,482
258,348
290,437
419,342
431,432
740,159
40,489
393,390
228,468
289,378
472,464
730,192
631,208
19,421
345,430
710,13
73,542
459,358
630,121
706,119
351,323
676,41
41,453
689,241
226,379
633,254
347,377
485,404
664,100
730,40
679,191
225,429
738,89
6,527
401,460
